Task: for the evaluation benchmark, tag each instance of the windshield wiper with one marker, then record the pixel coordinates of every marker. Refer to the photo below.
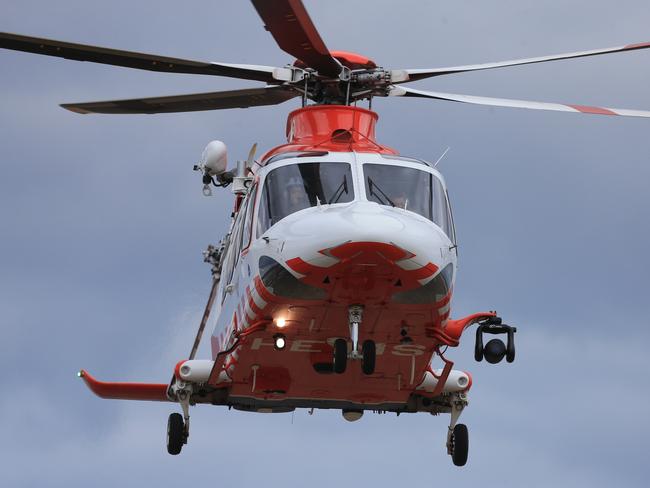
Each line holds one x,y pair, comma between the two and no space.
343,188
371,185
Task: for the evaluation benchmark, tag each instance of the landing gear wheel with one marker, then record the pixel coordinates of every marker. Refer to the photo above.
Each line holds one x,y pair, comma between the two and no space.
459,445
175,433
369,354
340,355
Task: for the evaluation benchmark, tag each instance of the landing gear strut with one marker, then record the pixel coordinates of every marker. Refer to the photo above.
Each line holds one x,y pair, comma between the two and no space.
178,426
368,352
355,315
458,435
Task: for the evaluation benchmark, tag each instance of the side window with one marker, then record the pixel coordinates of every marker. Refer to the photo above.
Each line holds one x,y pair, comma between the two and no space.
440,210
237,233
234,248
248,218
452,236
263,213
226,270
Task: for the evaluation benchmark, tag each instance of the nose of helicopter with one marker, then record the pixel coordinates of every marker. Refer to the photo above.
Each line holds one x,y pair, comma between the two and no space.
363,245
362,221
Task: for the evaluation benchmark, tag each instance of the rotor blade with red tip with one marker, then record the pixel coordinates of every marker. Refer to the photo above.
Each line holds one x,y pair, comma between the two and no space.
251,97
399,91
290,25
130,59
402,76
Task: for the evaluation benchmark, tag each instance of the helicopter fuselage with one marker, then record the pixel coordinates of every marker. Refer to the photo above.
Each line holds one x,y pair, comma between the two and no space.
298,276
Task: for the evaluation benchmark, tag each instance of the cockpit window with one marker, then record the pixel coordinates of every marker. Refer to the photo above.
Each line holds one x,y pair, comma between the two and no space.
410,189
295,187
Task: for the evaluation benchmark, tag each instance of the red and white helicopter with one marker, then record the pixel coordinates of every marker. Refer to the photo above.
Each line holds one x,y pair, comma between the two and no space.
333,286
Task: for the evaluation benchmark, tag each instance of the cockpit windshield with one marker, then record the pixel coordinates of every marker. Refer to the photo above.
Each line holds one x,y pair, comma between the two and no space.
410,189
298,186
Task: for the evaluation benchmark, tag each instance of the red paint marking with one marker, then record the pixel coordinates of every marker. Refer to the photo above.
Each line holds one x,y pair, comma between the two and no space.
592,110
364,271
257,311
126,391
639,45
423,272
300,266
177,369
263,292
351,60
350,249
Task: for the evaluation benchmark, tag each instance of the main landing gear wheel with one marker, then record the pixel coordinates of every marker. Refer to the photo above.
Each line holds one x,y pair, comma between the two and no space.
175,433
369,351
459,445
340,355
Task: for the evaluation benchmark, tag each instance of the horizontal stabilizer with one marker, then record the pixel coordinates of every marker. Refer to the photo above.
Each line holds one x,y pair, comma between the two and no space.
125,391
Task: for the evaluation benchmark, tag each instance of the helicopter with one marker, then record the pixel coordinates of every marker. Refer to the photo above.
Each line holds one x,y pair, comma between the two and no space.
312,282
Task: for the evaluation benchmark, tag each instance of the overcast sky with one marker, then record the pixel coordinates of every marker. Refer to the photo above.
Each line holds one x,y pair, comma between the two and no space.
102,223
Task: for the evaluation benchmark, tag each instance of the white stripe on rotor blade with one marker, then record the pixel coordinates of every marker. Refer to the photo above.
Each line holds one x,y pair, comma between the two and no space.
506,102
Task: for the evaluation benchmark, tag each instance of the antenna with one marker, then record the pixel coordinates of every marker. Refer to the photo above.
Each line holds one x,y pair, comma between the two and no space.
251,157
442,156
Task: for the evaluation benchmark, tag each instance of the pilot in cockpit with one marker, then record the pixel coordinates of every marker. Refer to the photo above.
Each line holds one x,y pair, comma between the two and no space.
296,196
399,200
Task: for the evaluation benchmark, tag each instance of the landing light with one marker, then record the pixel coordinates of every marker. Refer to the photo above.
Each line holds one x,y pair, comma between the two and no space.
281,323
279,341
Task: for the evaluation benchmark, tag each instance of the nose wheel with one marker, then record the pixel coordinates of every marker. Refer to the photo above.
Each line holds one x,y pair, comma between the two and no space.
340,355
368,353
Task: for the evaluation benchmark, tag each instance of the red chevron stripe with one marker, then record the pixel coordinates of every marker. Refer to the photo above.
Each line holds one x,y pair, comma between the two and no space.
592,110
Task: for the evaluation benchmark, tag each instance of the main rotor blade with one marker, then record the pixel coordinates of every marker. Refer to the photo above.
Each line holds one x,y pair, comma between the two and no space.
402,76
505,102
250,97
292,28
129,59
